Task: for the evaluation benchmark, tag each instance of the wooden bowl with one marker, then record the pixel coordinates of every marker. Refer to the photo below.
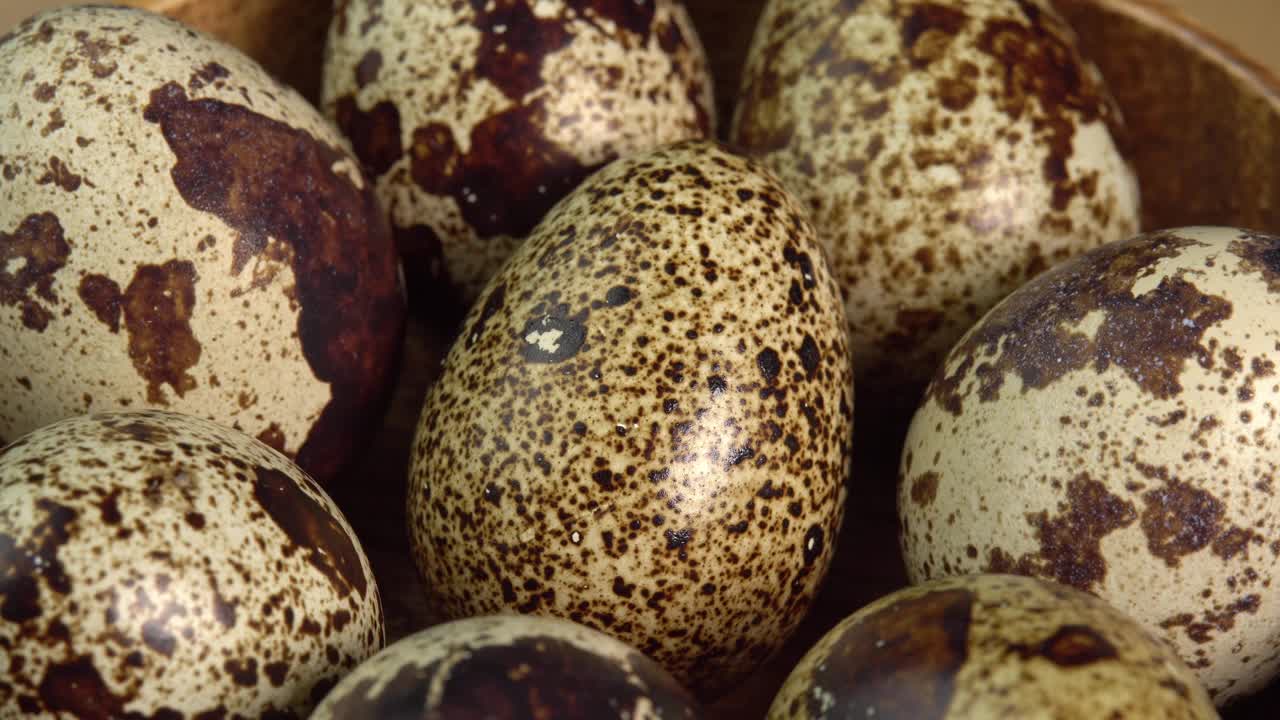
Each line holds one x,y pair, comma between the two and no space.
1204,126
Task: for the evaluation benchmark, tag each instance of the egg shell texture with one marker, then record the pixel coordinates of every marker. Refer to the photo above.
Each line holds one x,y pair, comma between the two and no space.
990,646
179,230
509,666
476,117
947,152
157,565
1112,426
645,424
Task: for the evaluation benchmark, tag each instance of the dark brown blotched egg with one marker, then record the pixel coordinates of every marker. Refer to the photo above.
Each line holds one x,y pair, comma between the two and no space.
644,425
947,151
990,646
1112,425
476,117
158,565
178,230
507,668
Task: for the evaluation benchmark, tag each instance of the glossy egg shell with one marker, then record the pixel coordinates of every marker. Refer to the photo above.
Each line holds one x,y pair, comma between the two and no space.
180,231
157,565
645,423
476,117
509,666
947,153
1112,425
991,646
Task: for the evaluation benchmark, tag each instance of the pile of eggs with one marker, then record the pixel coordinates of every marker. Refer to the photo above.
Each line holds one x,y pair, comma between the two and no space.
630,474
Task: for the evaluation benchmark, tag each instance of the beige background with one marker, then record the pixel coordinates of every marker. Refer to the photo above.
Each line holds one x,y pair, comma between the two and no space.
1249,24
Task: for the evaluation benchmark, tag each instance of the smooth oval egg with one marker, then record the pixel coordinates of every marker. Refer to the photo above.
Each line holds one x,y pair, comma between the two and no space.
508,667
644,425
947,152
474,118
178,230
1113,426
991,646
159,565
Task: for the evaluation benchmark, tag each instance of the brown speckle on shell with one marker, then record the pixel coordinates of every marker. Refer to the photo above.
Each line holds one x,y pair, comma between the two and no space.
138,574
637,389
526,100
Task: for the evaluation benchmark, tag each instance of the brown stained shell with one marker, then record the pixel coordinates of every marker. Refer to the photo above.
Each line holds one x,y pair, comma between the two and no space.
645,423
509,667
990,646
1111,426
475,118
947,152
162,565
179,230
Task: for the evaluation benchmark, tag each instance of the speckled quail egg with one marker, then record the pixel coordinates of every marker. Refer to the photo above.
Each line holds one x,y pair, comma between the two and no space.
509,666
991,646
645,423
474,118
1113,426
947,151
180,231
162,566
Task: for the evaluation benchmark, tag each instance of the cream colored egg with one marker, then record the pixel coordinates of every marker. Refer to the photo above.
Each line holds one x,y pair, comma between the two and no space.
947,152
645,423
1113,426
179,230
991,646
161,566
509,666
476,117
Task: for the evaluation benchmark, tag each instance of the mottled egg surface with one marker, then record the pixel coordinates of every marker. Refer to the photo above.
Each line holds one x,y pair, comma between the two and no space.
508,667
475,117
991,646
947,152
180,231
1113,426
645,423
161,566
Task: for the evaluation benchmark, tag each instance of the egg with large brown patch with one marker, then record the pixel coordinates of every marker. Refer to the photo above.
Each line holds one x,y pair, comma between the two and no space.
991,646
506,668
947,152
162,566
178,230
474,118
645,423
1113,426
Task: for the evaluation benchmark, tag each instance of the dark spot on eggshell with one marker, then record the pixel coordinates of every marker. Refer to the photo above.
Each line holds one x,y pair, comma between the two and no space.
928,29
403,695
924,488
40,249
268,180
25,562
553,338
374,134
96,52
769,364
814,544
1149,337
1071,646
509,156
312,529
77,688
208,74
1179,519
1070,542
59,174
494,302
158,306
617,296
1259,253
899,662
1221,618
103,297
368,67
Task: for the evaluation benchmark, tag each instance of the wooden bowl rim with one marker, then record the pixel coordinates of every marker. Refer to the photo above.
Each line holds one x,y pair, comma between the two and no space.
1174,22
